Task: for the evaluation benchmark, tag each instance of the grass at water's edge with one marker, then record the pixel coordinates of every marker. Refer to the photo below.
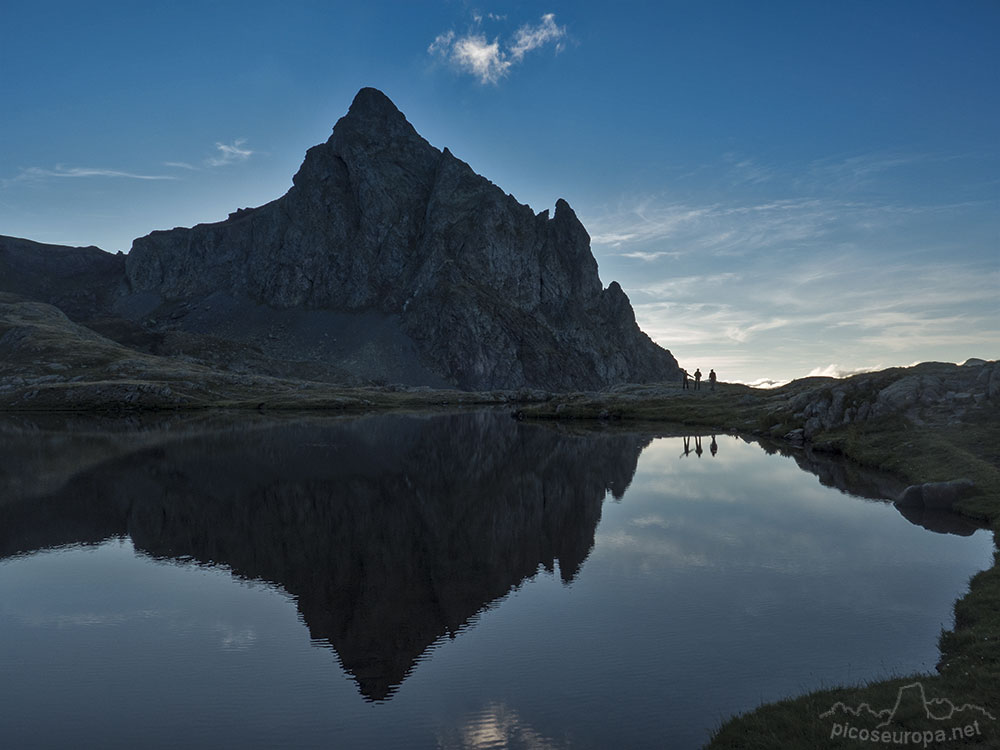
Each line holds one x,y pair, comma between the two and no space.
969,670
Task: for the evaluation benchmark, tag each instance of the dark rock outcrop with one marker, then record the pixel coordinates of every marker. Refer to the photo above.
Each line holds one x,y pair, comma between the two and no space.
930,393
935,495
473,288
81,281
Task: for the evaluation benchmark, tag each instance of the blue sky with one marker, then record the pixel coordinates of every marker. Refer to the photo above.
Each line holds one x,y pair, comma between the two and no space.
782,188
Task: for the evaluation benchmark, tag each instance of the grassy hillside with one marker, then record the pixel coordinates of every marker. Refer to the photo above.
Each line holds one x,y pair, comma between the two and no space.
50,363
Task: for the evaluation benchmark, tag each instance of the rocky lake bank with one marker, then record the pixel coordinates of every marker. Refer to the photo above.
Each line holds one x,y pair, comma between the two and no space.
936,426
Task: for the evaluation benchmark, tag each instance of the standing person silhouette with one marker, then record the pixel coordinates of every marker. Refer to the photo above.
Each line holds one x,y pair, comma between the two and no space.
684,378
697,379
711,379
697,444
714,447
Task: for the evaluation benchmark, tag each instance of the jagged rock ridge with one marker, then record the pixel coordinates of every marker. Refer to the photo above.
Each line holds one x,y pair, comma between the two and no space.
467,285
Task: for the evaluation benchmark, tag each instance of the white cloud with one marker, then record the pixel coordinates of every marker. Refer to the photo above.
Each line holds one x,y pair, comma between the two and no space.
839,371
488,60
765,383
481,58
230,153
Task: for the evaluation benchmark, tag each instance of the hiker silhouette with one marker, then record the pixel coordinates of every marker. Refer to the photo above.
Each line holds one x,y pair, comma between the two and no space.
687,447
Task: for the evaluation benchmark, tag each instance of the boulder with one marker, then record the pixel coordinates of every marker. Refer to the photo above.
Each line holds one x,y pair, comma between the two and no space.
935,495
796,437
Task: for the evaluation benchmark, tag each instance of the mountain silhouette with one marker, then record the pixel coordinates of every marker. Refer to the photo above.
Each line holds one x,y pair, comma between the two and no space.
387,261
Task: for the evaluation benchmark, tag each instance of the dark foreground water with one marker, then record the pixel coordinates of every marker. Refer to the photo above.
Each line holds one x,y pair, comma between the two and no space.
458,581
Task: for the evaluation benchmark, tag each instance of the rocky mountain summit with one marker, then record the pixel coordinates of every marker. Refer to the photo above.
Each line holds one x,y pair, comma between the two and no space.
400,263
387,262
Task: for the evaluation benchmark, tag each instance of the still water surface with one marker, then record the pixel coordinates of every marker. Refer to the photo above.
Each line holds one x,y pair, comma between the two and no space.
449,581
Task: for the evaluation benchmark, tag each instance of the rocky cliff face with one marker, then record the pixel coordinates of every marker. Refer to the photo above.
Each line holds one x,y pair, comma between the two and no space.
379,222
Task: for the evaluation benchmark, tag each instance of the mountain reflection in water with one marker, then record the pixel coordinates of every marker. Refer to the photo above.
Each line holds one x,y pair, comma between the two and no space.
389,531
724,578
721,579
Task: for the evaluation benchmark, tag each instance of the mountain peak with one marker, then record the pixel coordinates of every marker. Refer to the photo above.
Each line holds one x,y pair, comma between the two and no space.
372,101
373,120
469,288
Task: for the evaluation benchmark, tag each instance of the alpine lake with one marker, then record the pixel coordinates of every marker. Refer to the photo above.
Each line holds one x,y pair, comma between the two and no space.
443,580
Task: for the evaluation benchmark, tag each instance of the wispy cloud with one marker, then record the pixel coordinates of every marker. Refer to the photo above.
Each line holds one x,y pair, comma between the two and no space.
646,221
850,172
230,153
530,37
489,60
717,229
648,257
687,287
38,174
782,288
741,333
225,154
747,171
754,227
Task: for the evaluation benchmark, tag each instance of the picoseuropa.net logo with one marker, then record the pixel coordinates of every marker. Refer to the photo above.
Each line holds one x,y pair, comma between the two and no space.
915,720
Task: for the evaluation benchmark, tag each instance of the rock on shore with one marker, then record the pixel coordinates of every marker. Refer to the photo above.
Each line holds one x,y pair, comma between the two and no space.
928,393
